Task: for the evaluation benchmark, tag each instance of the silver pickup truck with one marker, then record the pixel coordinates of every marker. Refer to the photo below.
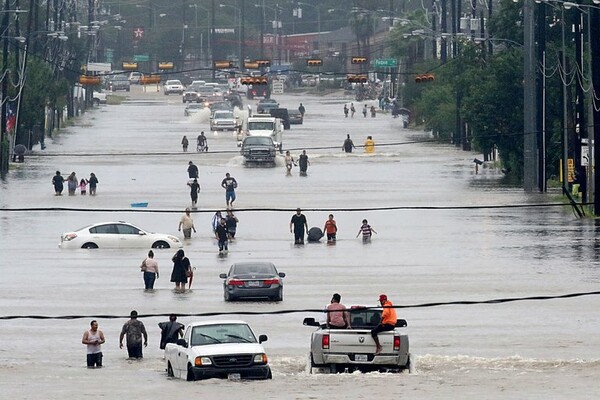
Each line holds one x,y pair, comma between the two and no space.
338,350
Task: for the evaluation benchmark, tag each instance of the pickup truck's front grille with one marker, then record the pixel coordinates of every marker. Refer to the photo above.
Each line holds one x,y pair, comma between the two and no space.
236,360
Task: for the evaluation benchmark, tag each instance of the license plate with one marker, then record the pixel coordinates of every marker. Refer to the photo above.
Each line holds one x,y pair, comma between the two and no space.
253,283
234,377
361,358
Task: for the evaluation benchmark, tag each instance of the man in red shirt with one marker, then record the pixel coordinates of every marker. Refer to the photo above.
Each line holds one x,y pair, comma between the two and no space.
387,323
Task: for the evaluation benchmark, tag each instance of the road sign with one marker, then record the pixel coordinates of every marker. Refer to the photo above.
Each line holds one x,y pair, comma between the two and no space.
141,57
386,62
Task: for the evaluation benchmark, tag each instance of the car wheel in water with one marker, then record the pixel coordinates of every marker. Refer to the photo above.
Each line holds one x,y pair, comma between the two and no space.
170,370
96,102
279,296
190,374
161,245
269,375
89,246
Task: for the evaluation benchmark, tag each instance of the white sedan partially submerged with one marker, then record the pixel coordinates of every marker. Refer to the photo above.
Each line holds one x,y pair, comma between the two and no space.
116,235
218,349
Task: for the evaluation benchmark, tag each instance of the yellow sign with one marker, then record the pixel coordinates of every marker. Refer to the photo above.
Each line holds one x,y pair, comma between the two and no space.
165,65
570,170
129,66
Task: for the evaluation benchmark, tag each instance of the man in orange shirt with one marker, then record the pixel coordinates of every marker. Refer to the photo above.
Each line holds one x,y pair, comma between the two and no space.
387,323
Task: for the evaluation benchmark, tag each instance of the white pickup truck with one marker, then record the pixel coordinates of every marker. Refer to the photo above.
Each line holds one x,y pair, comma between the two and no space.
218,349
264,126
337,350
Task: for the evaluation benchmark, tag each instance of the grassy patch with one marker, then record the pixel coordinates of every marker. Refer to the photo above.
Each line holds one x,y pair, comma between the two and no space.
114,99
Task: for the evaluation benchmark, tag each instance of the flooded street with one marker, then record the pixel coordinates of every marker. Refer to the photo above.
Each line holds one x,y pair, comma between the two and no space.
434,243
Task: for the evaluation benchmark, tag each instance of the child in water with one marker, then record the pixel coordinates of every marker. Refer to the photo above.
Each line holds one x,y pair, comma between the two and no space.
83,186
366,230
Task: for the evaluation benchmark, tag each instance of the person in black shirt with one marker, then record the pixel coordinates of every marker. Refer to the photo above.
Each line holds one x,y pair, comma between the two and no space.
229,184
303,163
222,234
302,109
298,223
192,170
348,145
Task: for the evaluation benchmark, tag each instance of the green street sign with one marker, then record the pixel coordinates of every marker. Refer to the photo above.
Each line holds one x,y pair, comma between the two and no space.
386,62
141,57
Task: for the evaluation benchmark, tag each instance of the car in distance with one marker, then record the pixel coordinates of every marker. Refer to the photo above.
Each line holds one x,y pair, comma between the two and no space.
99,98
173,86
296,117
193,108
218,349
253,280
223,120
190,96
282,114
116,235
264,105
134,77
258,150
118,82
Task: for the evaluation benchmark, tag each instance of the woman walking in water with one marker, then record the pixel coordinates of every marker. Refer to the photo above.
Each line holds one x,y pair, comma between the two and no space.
181,269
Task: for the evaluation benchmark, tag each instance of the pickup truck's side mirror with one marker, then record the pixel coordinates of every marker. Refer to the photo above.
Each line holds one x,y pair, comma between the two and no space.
308,321
181,342
401,323
262,338
223,276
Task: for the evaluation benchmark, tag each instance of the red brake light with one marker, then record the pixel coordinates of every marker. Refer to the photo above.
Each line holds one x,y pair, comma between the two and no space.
325,342
235,282
396,343
271,282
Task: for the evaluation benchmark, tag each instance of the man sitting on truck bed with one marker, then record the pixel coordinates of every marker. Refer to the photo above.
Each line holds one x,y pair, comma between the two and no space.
388,320
337,315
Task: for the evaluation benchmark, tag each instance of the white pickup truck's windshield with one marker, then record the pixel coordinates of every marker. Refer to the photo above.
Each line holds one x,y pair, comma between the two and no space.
221,333
260,126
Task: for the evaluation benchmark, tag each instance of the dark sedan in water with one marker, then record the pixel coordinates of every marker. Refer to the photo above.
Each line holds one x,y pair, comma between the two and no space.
253,280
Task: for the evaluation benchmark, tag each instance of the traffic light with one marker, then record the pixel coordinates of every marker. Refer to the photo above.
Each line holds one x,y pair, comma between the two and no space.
223,64
130,66
424,78
150,79
314,62
263,63
164,65
254,80
359,60
89,80
357,78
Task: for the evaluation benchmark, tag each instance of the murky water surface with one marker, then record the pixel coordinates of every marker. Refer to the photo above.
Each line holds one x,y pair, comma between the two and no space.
534,349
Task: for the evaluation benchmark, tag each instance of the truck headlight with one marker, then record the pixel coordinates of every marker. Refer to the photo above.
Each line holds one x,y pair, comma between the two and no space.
202,361
260,359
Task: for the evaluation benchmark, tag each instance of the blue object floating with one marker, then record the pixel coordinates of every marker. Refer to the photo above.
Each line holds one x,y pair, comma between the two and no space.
139,204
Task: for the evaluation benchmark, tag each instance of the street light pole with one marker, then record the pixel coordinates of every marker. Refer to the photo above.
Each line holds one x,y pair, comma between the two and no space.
530,170
3,136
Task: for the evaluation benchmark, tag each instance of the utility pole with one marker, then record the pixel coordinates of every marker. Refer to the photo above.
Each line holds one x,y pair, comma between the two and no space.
242,33
3,134
530,179
595,138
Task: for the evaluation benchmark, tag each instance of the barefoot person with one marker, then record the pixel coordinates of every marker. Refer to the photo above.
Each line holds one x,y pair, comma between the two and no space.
387,323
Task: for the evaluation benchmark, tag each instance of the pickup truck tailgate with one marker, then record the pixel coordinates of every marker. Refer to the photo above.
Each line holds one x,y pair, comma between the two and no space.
358,341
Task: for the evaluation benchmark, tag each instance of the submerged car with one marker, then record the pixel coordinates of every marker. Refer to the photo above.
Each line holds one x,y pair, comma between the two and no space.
253,280
296,117
116,235
218,349
193,108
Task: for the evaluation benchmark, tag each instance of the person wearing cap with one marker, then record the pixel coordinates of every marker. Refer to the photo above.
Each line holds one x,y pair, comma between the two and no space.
337,314
387,323
134,330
